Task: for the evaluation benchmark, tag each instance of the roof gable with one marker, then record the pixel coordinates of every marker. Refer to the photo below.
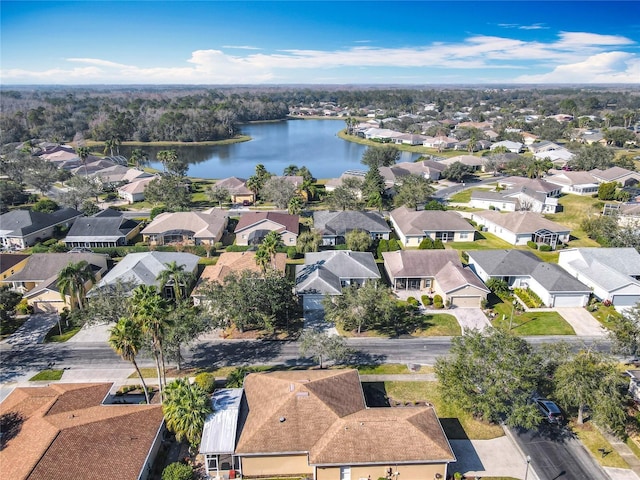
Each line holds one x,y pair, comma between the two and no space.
290,223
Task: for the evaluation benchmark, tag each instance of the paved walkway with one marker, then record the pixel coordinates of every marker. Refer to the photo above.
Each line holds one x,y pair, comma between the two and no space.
627,454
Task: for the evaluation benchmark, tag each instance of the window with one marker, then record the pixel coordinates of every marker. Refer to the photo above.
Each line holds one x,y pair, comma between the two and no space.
464,235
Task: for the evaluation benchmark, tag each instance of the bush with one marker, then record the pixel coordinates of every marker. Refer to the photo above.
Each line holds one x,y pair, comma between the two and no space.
235,379
23,308
237,248
291,253
426,300
393,245
491,207
413,301
438,302
532,245
498,286
218,245
45,206
545,248
178,471
206,381
48,243
155,211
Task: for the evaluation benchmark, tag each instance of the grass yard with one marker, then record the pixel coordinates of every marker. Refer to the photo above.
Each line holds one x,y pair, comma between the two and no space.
456,423
593,440
576,208
55,337
47,375
605,315
531,323
464,196
439,325
484,241
390,369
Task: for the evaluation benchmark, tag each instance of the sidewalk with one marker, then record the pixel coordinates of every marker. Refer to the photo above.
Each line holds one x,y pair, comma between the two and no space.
627,455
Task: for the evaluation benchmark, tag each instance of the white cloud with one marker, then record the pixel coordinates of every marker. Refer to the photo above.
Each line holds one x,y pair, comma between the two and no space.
241,47
573,57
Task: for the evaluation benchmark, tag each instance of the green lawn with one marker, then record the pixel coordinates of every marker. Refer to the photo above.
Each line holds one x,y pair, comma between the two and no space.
464,196
531,323
47,375
575,209
605,315
483,241
593,440
389,369
457,423
55,337
439,325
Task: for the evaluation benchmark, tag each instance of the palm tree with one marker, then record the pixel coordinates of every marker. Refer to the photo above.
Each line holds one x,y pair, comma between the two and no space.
72,280
139,157
185,409
149,310
167,157
272,241
174,275
125,337
83,153
108,146
309,241
290,171
262,259
295,205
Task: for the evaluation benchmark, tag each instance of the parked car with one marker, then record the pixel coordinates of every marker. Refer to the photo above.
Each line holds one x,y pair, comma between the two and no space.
550,411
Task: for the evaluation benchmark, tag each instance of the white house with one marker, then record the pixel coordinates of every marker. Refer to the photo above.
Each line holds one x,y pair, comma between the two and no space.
518,228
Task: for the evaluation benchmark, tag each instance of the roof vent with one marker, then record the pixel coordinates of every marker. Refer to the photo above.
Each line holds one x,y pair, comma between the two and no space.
282,419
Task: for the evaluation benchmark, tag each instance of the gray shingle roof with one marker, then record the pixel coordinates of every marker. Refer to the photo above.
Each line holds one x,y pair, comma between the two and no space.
412,222
504,263
100,229
322,271
23,222
339,223
555,279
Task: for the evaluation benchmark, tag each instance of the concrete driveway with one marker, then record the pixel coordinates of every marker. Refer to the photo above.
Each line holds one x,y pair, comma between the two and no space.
470,318
582,322
33,330
92,333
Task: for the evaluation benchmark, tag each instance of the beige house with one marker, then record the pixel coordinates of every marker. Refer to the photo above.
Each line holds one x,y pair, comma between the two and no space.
413,226
238,190
435,272
518,228
254,226
134,191
190,228
11,263
37,281
315,423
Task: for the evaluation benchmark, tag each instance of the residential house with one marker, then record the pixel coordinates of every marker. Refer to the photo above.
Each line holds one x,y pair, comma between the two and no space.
328,272
188,228
233,262
612,273
534,195
471,161
489,199
334,183
119,174
63,430
20,229
440,142
513,147
413,226
254,226
464,145
144,269
543,146
528,138
334,226
315,423
518,228
92,166
434,272
238,190
134,191
577,183
410,139
11,263
108,228
558,157
37,281
623,176
522,269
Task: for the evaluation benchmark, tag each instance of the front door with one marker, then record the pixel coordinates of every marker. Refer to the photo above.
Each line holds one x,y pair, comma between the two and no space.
345,473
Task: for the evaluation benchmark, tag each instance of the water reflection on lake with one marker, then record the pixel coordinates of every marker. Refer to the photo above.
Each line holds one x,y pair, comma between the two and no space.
312,143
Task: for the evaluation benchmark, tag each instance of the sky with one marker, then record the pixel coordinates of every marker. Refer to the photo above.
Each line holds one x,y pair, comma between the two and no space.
328,42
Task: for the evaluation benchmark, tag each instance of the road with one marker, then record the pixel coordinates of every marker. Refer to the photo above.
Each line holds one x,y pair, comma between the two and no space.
445,193
556,453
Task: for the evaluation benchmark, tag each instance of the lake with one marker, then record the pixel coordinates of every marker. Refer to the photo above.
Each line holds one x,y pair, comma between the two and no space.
310,143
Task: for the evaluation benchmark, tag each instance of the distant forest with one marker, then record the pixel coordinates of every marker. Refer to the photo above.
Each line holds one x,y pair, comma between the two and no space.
192,114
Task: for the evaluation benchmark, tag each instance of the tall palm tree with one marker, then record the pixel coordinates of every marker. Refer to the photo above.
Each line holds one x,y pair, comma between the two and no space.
185,409
167,157
174,275
272,241
125,337
72,280
149,309
262,259
290,170
108,146
83,153
139,157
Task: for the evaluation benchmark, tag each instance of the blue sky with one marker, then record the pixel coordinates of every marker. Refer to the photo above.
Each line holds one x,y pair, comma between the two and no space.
330,42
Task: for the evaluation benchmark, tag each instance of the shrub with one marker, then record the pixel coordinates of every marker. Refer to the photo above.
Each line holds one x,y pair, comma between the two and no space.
48,243
413,301
235,379
177,471
393,245
438,302
237,248
498,286
545,248
465,258
218,245
491,207
532,244
45,206
206,381
39,248
155,211
291,253
426,300
23,308
484,303
426,244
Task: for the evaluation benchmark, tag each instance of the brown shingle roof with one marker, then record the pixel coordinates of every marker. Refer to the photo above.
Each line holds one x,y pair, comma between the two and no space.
67,433
238,262
290,223
418,263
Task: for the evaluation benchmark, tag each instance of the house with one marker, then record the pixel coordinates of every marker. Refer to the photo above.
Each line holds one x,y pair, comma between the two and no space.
254,226
108,228
334,183
328,272
11,263
435,272
578,183
316,424
134,191
471,161
144,268
189,228
513,147
623,176
613,274
233,262
441,142
518,228
543,146
487,199
531,194
558,157
38,279
413,226
238,190
523,269
20,229
64,430
120,174
334,226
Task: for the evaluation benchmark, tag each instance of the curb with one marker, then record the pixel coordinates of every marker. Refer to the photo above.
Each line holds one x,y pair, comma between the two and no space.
531,470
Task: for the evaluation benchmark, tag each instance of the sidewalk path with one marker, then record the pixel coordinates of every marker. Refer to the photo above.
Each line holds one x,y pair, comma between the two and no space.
628,456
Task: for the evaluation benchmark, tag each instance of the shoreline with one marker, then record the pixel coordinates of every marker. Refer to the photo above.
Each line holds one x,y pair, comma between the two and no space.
133,143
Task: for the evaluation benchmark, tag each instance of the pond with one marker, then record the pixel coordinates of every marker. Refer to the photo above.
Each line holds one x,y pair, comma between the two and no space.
276,145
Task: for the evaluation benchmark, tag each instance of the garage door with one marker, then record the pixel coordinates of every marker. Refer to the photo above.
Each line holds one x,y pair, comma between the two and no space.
312,302
568,301
625,300
466,302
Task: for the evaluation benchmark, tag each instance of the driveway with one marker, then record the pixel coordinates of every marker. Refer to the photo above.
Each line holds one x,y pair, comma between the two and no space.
470,318
92,333
33,330
582,322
